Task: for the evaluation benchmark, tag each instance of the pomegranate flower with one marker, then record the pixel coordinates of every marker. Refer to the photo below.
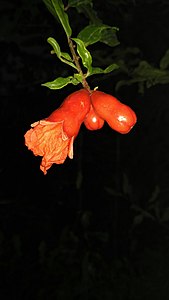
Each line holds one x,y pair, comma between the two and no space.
53,137
48,139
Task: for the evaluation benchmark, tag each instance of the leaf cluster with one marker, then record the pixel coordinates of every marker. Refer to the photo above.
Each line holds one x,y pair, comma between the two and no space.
144,74
91,34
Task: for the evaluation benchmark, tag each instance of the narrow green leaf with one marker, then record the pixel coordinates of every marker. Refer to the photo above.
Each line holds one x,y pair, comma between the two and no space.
50,7
74,3
66,56
97,70
85,7
92,34
164,62
63,17
58,83
78,77
128,82
75,81
55,46
84,54
111,68
63,56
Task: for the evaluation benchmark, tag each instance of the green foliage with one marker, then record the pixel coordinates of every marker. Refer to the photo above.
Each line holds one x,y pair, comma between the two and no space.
146,75
56,7
92,34
84,54
152,210
85,7
88,36
109,37
63,56
96,31
50,7
141,73
96,70
60,82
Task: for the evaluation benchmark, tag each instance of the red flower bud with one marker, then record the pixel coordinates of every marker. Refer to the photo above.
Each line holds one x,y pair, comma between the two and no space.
92,120
73,111
120,117
78,103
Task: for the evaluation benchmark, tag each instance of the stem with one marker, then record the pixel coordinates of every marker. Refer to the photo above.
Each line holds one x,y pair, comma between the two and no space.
76,61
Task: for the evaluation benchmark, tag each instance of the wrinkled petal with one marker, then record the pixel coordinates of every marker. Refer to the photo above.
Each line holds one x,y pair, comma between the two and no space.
47,139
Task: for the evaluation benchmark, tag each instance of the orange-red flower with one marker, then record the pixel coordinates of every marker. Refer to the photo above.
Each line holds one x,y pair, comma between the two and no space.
53,137
48,139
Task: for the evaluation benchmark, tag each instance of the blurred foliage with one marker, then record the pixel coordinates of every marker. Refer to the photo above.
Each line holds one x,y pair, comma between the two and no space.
80,261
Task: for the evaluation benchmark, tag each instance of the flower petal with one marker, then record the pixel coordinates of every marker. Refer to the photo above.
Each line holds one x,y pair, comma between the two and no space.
47,139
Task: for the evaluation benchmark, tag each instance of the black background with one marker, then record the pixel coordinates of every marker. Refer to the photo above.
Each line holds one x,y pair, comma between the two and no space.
59,240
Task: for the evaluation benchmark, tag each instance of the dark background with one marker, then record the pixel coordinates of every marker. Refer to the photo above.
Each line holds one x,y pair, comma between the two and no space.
96,226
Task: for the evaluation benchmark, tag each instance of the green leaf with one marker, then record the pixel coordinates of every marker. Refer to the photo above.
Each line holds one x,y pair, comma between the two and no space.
111,68
63,17
97,70
55,46
91,34
99,33
64,57
145,75
155,194
129,82
84,54
164,62
58,83
85,7
113,192
50,7
78,77
74,81
75,3
109,36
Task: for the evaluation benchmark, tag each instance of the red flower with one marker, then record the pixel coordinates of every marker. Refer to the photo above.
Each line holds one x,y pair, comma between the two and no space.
48,139
52,138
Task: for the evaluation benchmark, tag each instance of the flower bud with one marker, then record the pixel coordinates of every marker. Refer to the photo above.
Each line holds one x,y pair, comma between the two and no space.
119,116
92,120
72,111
